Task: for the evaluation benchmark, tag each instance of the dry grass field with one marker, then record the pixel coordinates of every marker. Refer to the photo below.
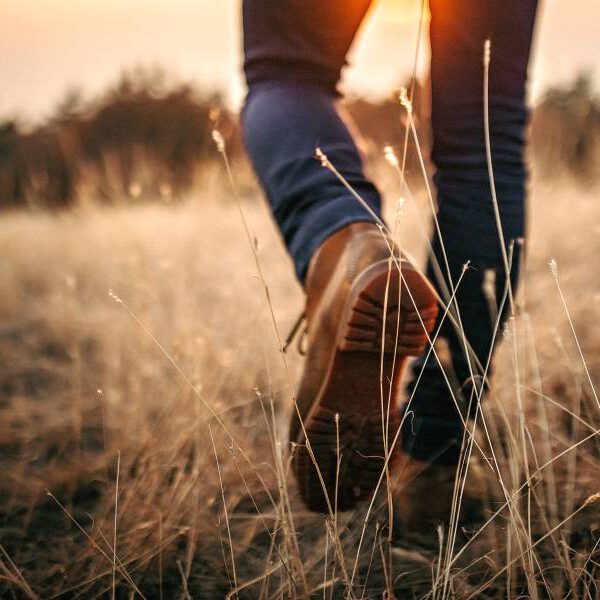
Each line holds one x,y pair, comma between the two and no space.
144,403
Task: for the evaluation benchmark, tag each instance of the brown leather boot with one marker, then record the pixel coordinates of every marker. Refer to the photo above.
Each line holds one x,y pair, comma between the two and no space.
358,343
424,492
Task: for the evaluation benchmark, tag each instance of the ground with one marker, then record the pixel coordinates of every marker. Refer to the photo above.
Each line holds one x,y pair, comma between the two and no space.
144,398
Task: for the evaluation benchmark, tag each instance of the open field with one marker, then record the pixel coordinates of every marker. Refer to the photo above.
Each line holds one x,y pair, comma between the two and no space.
142,447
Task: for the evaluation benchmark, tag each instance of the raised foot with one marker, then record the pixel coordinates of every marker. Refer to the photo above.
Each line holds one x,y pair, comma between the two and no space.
385,315
350,453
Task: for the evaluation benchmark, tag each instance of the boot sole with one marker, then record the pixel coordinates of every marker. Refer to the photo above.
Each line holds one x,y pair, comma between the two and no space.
350,423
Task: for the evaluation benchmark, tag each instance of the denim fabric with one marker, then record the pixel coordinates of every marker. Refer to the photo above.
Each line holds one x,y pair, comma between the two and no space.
294,53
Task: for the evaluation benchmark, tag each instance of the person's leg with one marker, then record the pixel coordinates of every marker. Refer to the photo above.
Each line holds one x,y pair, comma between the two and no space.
459,28
294,53
295,50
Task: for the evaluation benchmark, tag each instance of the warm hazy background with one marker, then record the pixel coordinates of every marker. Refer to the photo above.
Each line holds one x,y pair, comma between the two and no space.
48,46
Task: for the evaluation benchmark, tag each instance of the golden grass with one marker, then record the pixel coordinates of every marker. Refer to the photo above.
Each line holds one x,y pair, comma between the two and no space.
185,349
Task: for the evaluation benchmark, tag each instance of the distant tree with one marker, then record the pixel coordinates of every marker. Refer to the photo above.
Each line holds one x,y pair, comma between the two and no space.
69,108
12,188
566,129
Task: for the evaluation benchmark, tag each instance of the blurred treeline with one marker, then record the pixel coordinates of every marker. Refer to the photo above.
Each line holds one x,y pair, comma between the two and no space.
565,130
146,137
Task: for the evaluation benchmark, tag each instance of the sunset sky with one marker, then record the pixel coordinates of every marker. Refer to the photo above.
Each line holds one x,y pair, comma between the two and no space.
49,46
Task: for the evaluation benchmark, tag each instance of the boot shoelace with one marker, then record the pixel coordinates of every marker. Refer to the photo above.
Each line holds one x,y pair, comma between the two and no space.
299,331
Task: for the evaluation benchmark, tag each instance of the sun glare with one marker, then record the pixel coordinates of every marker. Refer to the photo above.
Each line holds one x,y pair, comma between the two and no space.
400,12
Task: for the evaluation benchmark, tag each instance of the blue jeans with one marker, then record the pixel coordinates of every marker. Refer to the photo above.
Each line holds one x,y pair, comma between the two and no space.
294,52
